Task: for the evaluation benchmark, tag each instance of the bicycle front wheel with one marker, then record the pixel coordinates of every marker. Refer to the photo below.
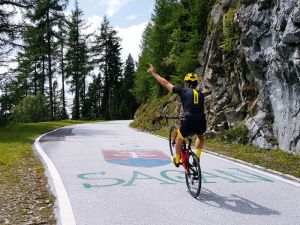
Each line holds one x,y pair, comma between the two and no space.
193,174
172,139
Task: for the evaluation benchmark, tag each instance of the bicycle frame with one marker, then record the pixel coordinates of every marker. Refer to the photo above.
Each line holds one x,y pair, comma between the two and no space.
184,152
189,160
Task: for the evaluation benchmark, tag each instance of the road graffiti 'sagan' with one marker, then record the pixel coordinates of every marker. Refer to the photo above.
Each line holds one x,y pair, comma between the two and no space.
229,175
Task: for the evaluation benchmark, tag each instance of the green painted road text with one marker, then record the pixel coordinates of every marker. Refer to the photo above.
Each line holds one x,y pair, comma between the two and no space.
231,175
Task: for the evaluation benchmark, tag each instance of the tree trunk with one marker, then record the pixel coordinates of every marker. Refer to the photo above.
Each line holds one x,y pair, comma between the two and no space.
77,100
49,65
76,116
35,78
63,80
43,77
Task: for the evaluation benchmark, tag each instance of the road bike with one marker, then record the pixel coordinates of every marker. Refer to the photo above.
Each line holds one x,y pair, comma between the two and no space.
189,160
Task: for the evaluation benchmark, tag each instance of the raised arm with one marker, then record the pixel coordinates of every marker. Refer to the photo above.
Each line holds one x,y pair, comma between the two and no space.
160,79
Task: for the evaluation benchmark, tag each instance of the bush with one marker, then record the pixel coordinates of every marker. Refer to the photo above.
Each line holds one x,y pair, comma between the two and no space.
150,112
230,34
32,108
238,134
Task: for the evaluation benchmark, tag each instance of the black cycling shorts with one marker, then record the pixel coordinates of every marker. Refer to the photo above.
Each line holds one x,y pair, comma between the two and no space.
191,126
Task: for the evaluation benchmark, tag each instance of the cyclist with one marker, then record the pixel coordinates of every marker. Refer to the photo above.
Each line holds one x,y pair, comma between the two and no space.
193,106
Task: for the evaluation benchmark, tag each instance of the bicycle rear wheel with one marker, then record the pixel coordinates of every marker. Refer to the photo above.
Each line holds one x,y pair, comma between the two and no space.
172,139
193,175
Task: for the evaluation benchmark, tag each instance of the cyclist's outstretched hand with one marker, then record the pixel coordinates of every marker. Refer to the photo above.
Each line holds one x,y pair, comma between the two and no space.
151,69
160,79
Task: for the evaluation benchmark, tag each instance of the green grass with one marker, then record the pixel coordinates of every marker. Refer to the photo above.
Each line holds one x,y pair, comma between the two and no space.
278,160
16,142
22,177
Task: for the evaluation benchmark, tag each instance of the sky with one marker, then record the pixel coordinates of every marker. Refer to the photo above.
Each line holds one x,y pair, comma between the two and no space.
128,17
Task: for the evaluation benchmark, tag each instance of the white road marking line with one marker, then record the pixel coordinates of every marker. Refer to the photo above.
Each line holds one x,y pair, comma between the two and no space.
65,208
277,177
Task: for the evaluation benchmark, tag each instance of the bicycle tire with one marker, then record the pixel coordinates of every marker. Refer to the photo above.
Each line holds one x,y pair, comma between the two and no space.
172,141
193,176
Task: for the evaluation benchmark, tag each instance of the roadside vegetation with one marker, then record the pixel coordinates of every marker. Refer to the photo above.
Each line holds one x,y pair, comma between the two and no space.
232,143
171,42
148,113
274,159
24,197
231,35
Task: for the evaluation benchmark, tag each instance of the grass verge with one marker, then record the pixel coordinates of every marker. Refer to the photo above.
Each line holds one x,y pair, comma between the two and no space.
24,197
274,159
277,160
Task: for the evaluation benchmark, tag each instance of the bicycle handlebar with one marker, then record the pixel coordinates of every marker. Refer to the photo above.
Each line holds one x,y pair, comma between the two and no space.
173,118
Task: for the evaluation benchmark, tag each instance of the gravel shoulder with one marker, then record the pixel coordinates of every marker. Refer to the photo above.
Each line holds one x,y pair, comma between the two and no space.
24,198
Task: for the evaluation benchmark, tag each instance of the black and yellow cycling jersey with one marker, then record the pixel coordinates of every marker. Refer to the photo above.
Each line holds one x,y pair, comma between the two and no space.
192,101
193,108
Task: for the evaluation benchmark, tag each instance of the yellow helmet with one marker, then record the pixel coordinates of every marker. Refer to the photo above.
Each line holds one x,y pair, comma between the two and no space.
191,77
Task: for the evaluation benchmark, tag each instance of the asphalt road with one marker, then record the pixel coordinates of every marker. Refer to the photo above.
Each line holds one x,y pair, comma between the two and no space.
113,174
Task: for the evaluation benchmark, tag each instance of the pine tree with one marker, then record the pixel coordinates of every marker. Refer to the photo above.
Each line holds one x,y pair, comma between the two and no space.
9,33
156,47
29,76
62,36
128,104
189,36
164,19
172,43
106,52
30,58
142,83
9,30
46,15
92,104
77,61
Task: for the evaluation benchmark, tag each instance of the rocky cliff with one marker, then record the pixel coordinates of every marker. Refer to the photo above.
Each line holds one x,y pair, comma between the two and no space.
251,66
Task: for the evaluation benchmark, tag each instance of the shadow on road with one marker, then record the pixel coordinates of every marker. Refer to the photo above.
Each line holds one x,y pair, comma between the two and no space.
235,203
62,133
57,135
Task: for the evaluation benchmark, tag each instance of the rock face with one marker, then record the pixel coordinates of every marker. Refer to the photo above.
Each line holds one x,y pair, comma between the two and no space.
259,81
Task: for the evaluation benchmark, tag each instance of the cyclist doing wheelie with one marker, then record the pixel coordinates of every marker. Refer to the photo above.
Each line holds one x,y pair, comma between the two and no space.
193,106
